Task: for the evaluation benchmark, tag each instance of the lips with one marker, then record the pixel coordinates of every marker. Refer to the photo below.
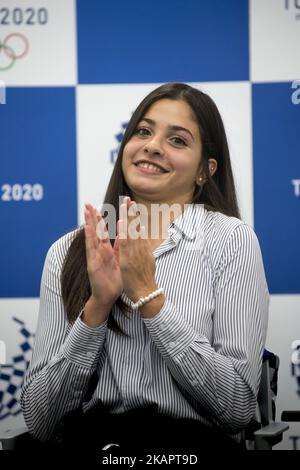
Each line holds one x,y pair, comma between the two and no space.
150,163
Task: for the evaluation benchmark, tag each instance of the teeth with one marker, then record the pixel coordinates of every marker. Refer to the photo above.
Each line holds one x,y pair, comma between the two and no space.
151,167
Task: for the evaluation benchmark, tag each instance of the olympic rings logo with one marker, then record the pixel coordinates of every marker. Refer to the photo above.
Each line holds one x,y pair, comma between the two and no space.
20,42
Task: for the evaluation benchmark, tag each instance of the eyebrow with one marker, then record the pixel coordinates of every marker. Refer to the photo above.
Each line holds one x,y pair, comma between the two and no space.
173,128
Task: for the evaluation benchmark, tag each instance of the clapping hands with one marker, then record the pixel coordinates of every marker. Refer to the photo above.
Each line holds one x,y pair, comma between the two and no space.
127,266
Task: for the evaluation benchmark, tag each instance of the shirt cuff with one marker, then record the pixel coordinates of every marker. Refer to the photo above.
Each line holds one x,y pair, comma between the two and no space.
83,343
169,331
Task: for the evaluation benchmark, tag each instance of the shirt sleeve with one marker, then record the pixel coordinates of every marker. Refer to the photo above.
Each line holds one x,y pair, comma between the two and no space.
64,357
221,379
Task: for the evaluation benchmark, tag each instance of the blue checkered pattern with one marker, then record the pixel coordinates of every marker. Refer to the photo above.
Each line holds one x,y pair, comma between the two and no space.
12,375
130,43
71,74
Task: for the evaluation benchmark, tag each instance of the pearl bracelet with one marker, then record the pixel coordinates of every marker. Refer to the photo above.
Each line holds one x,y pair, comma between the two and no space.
143,300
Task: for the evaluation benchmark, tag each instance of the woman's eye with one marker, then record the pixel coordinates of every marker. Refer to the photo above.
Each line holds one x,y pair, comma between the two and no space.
142,131
178,141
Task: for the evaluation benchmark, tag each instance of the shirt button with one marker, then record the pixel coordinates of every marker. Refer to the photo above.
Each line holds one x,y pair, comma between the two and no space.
90,354
172,344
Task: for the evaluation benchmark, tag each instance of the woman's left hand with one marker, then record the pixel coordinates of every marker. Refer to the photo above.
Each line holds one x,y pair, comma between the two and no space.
137,263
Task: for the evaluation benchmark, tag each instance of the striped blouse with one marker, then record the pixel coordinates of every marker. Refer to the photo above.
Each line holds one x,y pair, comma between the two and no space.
199,357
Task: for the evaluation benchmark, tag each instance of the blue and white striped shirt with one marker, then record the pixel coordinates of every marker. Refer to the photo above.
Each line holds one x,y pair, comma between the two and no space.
199,357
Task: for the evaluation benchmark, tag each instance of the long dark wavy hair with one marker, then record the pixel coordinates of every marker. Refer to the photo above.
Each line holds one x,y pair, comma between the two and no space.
217,194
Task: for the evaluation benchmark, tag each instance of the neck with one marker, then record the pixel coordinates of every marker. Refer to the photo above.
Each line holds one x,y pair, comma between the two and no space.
157,216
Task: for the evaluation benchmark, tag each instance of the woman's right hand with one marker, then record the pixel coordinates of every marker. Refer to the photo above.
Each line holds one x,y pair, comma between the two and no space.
102,263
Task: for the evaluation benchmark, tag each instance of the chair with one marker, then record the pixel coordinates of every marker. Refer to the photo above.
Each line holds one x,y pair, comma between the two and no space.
10,438
294,415
262,433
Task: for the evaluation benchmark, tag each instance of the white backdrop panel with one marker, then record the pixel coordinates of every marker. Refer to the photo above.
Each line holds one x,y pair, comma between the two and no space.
46,36
274,40
101,110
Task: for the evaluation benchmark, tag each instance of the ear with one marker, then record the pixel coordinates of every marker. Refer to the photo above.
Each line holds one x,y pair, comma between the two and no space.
212,166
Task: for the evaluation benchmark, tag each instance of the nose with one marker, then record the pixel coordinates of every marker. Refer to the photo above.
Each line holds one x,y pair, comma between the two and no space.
154,146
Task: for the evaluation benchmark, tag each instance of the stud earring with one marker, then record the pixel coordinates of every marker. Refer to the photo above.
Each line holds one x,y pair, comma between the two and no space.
199,181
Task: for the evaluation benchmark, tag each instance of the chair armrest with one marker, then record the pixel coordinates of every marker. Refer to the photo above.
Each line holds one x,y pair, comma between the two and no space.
269,435
272,429
8,438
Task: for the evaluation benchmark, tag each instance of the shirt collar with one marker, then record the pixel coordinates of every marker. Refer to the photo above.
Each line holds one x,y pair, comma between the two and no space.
189,220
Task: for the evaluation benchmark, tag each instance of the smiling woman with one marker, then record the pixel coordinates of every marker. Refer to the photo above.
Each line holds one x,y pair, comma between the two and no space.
162,160
168,140
167,331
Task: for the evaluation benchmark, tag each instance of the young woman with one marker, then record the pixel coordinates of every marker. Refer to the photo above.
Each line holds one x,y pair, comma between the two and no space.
154,342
